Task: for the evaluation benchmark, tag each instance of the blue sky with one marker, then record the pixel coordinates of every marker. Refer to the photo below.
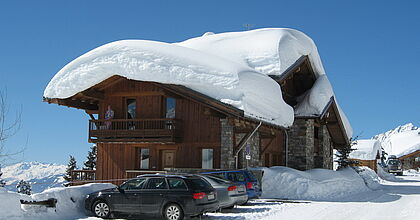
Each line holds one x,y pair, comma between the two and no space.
369,49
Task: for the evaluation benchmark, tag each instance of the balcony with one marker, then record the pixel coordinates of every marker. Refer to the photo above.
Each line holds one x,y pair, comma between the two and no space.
162,130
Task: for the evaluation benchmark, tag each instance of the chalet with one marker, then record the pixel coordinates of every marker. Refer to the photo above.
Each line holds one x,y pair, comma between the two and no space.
156,106
367,153
291,59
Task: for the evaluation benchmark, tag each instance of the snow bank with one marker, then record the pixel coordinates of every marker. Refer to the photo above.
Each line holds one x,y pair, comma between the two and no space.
269,50
370,177
316,184
366,150
386,176
232,83
70,202
314,102
400,141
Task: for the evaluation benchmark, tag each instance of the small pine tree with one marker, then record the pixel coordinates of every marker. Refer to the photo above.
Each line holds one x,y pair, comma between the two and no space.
90,163
72,165
24,187
343,155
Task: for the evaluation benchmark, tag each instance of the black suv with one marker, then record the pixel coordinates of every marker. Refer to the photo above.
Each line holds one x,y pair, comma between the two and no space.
170,196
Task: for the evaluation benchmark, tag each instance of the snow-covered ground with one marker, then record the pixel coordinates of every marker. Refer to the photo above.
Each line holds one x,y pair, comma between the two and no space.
397,199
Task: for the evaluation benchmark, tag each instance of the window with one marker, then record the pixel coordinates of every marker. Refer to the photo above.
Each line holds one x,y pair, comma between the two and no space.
236,177
207,159
156,183
170,107
144,158
134,184
131,106
417,159
316,132
176,184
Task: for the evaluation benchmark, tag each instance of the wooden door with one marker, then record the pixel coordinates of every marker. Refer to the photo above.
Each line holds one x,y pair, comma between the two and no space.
168,159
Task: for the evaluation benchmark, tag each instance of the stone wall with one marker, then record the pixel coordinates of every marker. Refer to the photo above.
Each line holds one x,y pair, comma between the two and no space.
326,146
227,159
301,149
254,143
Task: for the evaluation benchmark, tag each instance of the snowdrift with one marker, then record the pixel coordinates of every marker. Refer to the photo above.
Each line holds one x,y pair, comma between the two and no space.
316,184
232,83
365,150
70,202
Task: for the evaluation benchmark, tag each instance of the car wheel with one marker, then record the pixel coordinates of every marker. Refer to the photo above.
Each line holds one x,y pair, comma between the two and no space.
101,209
173,212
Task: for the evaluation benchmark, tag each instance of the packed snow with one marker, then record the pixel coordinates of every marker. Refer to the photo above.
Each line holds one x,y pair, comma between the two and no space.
400,141
232,83
314,102
327,194
70,203
315,184
269,50
366,150
41,176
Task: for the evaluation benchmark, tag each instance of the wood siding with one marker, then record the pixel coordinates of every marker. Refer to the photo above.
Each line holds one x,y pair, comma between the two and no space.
200,130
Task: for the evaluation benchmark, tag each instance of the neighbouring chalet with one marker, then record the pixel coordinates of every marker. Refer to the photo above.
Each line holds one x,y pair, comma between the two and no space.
404,143
367,153
176,107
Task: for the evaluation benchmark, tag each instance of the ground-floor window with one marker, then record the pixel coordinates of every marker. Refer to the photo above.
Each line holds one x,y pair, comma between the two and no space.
207,159
144,158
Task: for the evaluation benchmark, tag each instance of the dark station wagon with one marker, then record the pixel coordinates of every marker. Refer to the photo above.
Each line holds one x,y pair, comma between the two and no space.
169,196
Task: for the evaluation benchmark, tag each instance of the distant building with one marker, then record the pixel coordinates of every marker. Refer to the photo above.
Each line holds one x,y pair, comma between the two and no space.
368,153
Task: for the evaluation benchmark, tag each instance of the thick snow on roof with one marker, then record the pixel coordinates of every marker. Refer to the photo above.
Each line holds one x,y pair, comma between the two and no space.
232,83
317,98
400,141
270,50
365,150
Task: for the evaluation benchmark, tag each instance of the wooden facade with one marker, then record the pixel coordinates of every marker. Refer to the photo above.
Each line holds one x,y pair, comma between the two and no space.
411,161
141,137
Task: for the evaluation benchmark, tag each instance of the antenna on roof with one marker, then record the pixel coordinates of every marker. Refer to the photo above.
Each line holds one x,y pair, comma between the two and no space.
248,26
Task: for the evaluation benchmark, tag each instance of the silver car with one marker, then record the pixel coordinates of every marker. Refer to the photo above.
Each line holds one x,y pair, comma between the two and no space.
229,193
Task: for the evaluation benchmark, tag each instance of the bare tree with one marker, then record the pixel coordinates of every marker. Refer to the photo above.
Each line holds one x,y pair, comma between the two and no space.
8,128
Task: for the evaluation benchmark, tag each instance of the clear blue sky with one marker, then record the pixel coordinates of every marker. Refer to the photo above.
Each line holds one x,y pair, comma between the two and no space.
370,51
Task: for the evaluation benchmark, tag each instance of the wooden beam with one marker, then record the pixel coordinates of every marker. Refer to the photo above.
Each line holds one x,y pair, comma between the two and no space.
266,146
93,94
145,93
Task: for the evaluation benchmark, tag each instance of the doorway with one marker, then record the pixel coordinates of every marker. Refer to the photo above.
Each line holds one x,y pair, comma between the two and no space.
168,159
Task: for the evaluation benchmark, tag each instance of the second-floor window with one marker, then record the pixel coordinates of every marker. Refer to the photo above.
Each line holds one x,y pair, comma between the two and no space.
131,106
170,107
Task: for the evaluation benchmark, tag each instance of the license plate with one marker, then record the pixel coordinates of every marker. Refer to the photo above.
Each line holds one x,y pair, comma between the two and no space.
210,197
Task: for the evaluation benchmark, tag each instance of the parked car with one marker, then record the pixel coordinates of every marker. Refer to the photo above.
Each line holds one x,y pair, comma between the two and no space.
229,193
394,165
253,187
169,196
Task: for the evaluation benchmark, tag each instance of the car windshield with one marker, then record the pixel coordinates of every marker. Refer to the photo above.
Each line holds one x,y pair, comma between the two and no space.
251,176
394,162
199,184
133,184
218,180
236,176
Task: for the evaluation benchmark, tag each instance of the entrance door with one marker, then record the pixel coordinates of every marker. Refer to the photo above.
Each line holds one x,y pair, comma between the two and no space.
168,159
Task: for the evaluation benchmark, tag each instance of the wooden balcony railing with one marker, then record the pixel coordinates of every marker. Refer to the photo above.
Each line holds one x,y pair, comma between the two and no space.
135,130
79,177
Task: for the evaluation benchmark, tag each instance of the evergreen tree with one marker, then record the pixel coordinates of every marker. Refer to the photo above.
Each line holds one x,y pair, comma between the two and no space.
72,165
343,155
90,163
24,187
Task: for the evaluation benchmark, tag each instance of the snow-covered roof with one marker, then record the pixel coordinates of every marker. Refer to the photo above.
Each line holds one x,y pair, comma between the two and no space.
401,141
233,83
365,150
269,50
314,102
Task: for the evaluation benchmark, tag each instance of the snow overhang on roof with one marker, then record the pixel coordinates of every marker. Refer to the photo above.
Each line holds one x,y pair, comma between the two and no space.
365,150
232,83
269,50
